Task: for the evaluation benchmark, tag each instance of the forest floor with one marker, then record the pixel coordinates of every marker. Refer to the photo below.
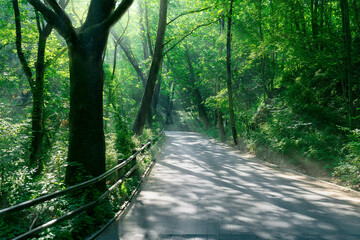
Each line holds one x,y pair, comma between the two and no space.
202,189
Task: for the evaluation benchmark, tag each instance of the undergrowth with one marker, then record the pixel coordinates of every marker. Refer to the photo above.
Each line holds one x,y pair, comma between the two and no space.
19,184
276,133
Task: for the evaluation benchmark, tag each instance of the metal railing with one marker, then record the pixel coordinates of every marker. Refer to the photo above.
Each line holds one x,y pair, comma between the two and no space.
77,211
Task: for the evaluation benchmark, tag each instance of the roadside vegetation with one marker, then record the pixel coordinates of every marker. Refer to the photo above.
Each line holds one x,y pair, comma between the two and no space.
276,78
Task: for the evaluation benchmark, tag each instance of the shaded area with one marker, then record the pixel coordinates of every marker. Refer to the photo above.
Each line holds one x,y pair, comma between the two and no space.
201,190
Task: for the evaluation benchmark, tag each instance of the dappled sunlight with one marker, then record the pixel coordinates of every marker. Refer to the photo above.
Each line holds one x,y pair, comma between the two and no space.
200,190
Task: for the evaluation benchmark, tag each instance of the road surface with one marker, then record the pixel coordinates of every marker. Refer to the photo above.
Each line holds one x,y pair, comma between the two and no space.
200,189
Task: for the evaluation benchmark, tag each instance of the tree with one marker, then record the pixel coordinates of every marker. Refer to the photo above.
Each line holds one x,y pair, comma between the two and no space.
36,84
219,113
86,46
192,86
145,105
228,75
348,67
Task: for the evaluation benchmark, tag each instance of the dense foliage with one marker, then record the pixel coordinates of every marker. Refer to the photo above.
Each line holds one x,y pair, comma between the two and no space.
294,69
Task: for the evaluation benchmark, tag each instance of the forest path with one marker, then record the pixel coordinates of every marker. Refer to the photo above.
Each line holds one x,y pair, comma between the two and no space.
200,189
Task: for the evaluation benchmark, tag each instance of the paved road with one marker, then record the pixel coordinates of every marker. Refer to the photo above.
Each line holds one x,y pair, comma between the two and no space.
200,189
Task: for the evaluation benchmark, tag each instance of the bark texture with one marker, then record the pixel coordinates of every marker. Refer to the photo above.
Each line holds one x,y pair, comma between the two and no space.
86,45
141,116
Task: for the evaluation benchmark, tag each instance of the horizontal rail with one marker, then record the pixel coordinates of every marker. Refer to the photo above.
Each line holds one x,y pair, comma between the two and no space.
83,208
76,211
50,196
53,195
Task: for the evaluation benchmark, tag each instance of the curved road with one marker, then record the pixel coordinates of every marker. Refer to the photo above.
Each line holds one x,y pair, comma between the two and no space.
200,189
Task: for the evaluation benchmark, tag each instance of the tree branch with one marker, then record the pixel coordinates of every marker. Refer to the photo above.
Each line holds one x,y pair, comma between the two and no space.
148,30
188,34
130,56
75,13
57,18
118,39
38,23
59,54
117,14
20,52
190,12
49,15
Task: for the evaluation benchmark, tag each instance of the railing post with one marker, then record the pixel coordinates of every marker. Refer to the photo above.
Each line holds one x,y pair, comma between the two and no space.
120,171
133,162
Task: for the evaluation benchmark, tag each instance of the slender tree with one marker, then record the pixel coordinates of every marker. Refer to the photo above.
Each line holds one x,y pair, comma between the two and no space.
348,67
36,83
228,75
125,46
139,123
219,113
196,91
143,31
86,45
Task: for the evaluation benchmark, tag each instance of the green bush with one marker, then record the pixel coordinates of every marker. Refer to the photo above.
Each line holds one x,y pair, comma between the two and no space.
278,128
348,169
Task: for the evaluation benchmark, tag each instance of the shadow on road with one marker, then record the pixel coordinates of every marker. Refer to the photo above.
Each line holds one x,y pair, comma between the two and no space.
201,190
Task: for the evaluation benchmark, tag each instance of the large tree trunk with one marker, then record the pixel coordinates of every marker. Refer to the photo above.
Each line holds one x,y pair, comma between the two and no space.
86,140
228,77
140,120
86,45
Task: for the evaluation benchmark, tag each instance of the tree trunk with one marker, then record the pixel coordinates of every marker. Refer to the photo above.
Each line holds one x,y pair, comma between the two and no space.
37,86
263,57
139,123
196,92
38,103
200,106
356,14
170,105
110,93
86,140
348,61
155,100
228,76
143,34
130,56
314,21
217,89
148,29
220,118
86,45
